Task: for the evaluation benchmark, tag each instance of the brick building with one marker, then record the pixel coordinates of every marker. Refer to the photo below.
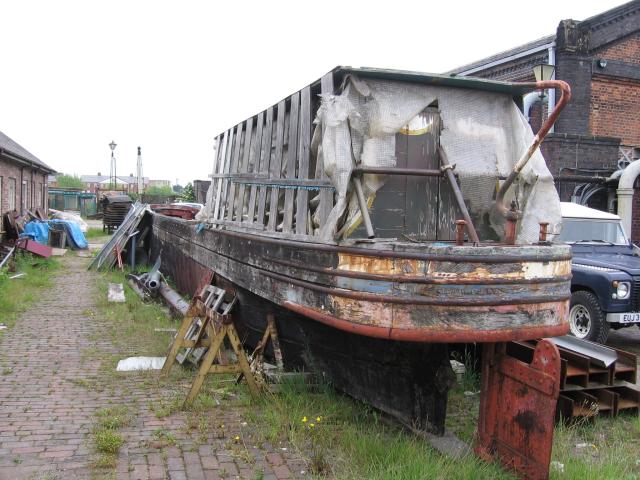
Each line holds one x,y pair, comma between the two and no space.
599,131
23,178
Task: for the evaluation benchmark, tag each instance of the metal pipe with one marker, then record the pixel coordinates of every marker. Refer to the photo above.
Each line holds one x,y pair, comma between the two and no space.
537,140
447,167
460,224
413,172
362,202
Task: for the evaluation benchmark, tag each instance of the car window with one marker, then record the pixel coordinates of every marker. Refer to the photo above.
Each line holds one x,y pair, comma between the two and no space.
578,229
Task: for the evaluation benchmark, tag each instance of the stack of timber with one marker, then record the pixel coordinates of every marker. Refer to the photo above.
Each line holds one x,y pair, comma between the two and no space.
115,209
594,379
108,256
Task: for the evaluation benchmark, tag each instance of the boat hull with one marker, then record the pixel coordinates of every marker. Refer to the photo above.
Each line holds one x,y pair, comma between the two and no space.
391,354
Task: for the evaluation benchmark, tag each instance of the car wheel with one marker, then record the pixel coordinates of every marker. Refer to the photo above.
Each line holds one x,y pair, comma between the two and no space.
586,319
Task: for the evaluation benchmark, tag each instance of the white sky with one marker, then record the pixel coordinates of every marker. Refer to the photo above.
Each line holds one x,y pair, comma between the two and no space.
170,76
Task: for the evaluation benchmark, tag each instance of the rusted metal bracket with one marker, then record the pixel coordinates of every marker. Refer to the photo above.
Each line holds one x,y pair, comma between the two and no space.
447,168
517,408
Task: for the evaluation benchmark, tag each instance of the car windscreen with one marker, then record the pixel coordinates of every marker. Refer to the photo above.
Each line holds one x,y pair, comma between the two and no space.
587,230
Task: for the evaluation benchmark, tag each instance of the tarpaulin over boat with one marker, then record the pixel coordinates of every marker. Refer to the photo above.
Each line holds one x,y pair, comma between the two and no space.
483,134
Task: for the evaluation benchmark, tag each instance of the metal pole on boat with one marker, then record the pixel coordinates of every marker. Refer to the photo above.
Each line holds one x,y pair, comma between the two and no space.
447,168
362,203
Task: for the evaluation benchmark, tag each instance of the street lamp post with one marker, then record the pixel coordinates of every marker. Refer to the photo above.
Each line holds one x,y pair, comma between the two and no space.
543,72
112,177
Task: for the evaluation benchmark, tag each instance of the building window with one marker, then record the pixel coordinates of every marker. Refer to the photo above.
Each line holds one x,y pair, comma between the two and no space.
12,194
45,200
24,196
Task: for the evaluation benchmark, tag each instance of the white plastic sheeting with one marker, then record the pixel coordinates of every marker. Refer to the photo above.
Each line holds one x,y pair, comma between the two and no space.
484,133
140,363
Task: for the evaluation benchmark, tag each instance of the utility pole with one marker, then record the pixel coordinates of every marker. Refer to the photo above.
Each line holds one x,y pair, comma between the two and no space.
139,172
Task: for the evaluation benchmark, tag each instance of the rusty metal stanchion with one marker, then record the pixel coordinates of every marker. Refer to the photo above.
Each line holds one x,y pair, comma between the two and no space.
460,226
517,408
542,238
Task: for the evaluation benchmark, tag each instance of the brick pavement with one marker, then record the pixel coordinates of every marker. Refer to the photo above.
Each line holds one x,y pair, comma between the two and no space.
50,392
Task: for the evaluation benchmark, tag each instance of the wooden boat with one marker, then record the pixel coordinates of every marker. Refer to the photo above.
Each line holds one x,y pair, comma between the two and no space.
370,249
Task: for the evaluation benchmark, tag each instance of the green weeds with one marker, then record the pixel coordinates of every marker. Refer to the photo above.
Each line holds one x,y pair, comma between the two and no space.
17,294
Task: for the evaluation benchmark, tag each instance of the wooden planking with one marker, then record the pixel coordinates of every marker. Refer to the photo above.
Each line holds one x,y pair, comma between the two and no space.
326,198
304,141
275,169
244,166
265,161
225,169
233,168
219,169
254,160
292,150
422,192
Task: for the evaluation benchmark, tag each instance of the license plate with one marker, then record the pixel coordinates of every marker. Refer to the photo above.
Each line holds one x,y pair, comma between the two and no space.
630,318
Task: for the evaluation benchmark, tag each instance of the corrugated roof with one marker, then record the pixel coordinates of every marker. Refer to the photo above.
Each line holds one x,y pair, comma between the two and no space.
17,150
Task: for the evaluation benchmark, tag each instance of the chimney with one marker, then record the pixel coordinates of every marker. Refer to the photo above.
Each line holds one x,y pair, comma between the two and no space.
131,174
99,174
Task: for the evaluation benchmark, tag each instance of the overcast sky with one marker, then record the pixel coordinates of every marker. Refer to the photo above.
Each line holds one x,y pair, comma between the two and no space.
170,76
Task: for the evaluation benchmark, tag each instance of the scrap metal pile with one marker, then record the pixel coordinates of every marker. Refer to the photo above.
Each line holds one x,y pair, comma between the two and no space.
127,235
594,379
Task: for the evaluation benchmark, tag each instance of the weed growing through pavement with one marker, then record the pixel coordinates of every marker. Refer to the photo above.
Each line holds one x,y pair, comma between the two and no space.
106,438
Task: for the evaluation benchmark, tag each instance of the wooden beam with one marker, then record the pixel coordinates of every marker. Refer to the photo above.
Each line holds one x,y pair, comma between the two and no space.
304,140
254,160
265,161
275,169
292,150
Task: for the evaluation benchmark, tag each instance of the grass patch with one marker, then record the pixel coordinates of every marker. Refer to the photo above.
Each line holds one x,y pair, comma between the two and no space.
95,232
16,295
346,439
107,441
113,418
133,319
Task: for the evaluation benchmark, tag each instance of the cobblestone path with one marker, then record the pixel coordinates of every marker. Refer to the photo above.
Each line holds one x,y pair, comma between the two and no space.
51,389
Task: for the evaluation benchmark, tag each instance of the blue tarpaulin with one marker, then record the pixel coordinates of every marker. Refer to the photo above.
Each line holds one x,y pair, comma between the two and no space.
74,234
38,231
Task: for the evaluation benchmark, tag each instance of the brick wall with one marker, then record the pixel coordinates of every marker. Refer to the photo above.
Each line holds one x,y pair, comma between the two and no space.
627,49
568,154
615,109
36,185
615,100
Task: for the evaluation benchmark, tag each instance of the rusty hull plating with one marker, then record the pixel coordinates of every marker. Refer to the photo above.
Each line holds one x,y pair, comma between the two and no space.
428,293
